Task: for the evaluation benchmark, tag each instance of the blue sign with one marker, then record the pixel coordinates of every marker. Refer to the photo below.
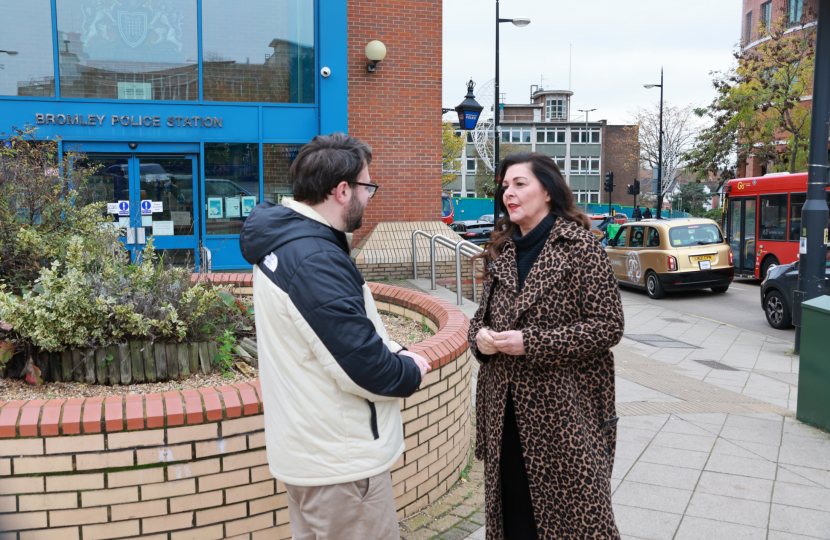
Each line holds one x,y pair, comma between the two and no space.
123,208
469,120
146,207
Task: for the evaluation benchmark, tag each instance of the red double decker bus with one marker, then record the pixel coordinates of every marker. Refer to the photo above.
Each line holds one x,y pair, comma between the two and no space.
762,221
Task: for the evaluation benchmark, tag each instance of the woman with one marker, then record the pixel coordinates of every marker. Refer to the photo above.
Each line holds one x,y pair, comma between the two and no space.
550,312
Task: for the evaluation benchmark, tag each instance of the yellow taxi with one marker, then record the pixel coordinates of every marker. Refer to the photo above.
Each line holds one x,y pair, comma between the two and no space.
671,255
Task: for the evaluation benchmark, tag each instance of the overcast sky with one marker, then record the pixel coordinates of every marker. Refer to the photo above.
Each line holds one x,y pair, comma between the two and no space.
617,46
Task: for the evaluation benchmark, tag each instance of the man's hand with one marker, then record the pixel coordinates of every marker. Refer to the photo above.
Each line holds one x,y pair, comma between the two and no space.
422,363
510,342
484,341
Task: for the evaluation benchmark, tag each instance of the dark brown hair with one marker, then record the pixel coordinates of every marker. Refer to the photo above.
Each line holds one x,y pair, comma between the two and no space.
561,201
325,162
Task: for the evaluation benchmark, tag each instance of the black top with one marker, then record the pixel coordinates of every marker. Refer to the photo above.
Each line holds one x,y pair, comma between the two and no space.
529,246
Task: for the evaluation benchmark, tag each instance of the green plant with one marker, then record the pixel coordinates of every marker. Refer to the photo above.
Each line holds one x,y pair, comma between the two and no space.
424,328
225,354
107,360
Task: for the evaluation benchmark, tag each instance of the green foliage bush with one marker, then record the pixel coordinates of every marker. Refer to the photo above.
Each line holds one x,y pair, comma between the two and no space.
66,280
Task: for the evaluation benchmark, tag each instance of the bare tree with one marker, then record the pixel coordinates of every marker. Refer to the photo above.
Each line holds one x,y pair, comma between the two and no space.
680,128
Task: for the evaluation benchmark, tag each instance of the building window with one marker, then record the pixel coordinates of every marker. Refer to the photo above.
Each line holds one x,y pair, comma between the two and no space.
560,162
471,166
147,51
550,135
766,15
748,29
587,197
26,28
556,109
259,51
516,135
580,165
794,11
579,135
231,185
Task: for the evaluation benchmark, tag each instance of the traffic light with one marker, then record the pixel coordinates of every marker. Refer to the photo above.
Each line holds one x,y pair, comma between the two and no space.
630,189
609,182
636,187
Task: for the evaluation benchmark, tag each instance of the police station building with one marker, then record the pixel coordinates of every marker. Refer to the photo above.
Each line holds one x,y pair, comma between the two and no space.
195,109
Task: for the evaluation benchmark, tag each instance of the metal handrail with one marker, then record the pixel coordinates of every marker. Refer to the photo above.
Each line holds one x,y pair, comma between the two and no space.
461,247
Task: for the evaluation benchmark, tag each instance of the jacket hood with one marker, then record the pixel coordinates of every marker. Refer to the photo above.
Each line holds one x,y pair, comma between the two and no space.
271,225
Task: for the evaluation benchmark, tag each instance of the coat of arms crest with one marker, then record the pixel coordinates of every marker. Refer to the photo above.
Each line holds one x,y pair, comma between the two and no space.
132,27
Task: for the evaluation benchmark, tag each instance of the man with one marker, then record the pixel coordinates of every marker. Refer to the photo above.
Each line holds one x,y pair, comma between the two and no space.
331,378
647,214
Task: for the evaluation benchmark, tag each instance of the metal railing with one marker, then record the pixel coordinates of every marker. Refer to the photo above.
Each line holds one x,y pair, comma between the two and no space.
468,249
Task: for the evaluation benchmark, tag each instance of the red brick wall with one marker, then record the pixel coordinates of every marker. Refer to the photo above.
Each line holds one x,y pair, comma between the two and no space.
397,109
778,10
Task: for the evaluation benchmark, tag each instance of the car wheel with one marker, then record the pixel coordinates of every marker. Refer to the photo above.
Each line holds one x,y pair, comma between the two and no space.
768,263
720,290
654,287
777,311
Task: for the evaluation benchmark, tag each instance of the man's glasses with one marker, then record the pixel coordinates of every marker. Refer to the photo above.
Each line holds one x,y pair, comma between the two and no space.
371,188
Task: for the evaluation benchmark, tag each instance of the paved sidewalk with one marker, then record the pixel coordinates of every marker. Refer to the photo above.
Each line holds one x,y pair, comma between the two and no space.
705,452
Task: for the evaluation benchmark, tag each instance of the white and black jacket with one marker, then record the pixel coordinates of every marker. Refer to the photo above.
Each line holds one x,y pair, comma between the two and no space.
331,378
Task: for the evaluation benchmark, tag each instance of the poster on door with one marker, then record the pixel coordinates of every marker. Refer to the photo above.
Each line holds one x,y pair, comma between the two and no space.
232,207
214,208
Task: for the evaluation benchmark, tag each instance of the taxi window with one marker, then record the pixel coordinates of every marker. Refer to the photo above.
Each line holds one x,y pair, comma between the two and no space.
695,235
622,234
653,239
637,237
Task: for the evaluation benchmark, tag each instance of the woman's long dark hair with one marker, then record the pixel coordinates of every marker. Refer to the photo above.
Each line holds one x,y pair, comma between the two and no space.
561,201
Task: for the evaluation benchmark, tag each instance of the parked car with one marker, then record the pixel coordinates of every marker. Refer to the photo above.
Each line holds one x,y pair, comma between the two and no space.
777,292
676,255
477,232
488,218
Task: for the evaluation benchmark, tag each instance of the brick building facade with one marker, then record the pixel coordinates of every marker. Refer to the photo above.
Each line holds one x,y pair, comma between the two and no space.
397,109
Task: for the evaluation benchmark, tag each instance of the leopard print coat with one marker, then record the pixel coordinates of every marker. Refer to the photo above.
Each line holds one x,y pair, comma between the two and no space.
570,315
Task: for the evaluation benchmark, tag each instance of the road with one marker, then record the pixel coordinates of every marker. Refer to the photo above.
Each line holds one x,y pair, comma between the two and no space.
740,306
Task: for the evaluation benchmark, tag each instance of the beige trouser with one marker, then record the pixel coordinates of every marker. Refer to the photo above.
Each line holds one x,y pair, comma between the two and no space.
359,510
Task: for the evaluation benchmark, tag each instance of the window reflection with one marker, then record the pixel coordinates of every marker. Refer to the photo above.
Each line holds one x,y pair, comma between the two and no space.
258,51
231,185
26,63
128,49
278,159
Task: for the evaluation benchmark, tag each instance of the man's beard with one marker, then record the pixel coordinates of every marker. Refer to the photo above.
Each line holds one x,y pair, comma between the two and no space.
353,215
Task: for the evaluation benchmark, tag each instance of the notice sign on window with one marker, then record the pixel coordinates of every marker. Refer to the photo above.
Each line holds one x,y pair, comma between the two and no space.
135,90
162,228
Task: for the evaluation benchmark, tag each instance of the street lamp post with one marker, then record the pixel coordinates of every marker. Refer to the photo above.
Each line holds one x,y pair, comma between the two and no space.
659,148
520,22
587,161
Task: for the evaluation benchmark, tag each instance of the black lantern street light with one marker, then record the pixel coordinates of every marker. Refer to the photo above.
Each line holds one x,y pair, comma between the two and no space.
521,22
469,110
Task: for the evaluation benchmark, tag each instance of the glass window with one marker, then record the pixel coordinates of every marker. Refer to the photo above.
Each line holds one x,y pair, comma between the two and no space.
231,185
278,159
766,14
578,135
26,65
637,237
773,217
797,201
258,51
471,165
748,28
794,10
128,50
695,235
560,162
653,239
622,234
556,109
594,197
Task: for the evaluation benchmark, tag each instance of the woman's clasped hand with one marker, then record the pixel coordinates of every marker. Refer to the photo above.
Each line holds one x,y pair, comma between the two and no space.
510,342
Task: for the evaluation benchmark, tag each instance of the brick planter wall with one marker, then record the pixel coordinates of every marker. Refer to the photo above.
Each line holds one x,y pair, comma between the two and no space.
192,464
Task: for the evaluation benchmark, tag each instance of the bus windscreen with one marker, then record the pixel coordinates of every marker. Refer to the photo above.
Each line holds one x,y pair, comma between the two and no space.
695,235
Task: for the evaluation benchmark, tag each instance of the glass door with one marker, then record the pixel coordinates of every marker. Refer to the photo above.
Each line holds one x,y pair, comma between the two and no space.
150,197
741,231
164,192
